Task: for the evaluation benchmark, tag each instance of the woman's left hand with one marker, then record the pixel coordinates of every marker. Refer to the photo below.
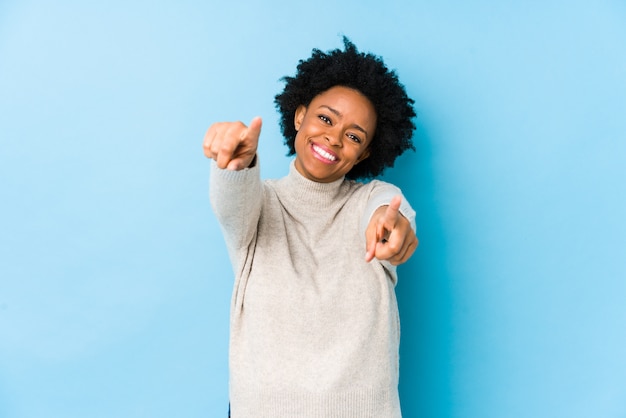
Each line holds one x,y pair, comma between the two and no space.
389,235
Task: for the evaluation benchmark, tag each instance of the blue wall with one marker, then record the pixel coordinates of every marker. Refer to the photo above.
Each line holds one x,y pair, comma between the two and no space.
114,281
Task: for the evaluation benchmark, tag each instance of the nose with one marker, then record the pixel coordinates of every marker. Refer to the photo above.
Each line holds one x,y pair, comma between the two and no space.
333,137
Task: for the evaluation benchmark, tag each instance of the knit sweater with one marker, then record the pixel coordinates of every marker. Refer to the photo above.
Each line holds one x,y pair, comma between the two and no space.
314,328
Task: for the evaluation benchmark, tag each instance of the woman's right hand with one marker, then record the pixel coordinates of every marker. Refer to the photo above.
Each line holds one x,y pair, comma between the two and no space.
232,144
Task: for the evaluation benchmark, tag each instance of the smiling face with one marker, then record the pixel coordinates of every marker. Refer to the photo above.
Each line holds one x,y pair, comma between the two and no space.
334,133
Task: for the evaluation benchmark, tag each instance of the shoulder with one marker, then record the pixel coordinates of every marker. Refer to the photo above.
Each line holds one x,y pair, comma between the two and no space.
372,187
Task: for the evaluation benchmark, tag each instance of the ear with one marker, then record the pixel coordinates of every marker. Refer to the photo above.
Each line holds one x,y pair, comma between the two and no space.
299,117
363,156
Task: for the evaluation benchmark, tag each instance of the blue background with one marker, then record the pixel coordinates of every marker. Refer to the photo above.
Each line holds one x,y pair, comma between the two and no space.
114,281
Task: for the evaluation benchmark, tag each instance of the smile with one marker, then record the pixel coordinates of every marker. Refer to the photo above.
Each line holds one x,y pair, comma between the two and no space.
323,155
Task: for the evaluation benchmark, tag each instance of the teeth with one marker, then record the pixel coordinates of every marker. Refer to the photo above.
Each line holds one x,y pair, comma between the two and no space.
324,154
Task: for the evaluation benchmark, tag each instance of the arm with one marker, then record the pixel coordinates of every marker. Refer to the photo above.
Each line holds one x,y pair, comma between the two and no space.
390,235
235,185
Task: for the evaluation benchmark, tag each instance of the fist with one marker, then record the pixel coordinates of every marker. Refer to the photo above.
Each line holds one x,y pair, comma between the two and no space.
232,145
389,235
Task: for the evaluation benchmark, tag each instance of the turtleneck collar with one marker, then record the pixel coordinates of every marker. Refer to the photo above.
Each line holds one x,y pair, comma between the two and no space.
309,192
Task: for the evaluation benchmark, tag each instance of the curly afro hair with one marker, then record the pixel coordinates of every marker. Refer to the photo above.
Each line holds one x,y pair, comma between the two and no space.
367,74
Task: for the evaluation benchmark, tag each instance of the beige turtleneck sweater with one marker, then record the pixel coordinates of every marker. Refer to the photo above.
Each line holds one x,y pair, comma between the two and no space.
314,328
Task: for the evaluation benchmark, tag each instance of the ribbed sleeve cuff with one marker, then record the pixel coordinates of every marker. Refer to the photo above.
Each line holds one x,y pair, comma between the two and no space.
364,403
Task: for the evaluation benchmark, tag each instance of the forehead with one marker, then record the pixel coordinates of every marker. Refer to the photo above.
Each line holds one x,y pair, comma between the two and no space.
346,100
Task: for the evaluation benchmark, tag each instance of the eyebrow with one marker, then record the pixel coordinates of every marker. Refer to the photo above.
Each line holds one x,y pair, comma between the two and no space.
339,114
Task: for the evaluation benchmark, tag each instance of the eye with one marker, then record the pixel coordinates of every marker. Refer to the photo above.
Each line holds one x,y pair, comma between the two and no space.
354,138
325,119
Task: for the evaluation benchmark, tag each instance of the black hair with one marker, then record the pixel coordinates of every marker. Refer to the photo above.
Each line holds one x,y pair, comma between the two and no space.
367,74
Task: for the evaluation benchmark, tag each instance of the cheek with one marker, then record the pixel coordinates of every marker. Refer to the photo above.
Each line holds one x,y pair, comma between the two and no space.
298,139
299,142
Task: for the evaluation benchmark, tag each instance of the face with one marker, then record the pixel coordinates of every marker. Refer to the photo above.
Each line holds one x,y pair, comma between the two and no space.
333,133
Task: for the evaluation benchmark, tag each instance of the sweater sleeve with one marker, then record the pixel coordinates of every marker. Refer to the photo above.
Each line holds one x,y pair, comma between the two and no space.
236,198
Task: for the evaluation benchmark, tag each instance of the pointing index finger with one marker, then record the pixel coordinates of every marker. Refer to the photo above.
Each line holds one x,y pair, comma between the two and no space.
391,214
254,129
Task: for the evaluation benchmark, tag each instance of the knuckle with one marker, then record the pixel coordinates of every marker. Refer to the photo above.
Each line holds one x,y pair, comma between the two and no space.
393,246
384,253
226,147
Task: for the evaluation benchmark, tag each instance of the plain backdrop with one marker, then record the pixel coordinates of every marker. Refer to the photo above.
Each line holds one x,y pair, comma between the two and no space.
114,281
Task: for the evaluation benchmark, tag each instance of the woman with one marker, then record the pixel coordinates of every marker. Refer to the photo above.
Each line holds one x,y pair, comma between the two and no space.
314,320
